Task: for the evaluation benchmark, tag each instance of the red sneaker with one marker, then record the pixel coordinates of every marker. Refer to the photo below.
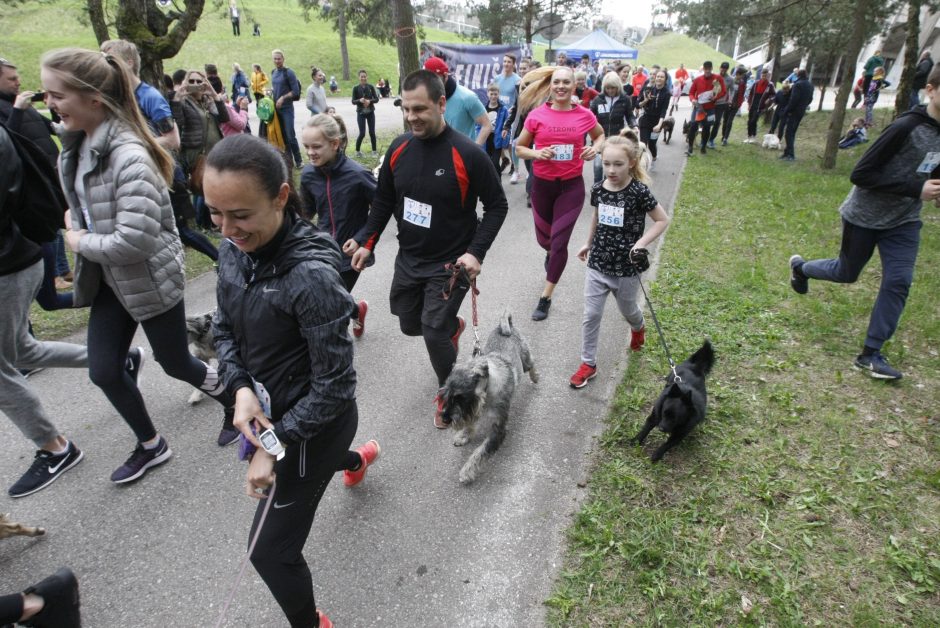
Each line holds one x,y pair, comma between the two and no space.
359,324
461,325
637,338
585,372
369,454
439,413
324,620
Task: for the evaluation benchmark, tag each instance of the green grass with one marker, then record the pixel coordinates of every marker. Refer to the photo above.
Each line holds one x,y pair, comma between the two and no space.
811,491
670,49
35,26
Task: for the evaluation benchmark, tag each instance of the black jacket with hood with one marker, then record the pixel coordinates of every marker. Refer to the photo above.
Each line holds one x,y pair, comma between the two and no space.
282,320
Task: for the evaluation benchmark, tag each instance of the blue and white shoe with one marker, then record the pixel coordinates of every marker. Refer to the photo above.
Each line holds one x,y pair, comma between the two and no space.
877,366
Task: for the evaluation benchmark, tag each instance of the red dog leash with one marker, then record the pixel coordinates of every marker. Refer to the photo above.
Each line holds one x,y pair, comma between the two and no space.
456,271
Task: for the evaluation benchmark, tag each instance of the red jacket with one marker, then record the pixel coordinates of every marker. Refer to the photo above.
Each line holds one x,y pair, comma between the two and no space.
701,84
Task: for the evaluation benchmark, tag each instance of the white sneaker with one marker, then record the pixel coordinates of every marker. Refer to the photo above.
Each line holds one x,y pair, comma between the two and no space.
514,179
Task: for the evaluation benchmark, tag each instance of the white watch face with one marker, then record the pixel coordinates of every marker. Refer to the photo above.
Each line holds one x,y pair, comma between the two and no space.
269,440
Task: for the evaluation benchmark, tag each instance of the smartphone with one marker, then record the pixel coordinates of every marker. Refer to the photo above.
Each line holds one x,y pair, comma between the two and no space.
38,97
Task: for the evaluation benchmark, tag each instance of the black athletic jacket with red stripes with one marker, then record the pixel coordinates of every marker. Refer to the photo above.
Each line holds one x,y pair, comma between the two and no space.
447,174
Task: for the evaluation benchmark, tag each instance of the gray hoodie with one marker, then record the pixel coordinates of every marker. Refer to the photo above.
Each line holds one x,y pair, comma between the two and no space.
888,178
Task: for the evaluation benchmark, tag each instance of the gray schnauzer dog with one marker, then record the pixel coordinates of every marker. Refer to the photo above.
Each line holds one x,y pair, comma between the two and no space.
478,392
201,345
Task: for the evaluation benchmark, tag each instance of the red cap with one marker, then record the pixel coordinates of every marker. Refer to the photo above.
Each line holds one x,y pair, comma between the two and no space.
436,65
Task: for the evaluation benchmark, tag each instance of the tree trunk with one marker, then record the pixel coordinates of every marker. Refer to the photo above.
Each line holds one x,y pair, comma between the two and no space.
775,44
341,27
496,25
406,36
528,19
158,36
837,119
911,56
98,24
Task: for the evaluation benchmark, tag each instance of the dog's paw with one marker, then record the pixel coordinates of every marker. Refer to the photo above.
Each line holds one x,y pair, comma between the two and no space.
194,398
461,438
657,455
466,477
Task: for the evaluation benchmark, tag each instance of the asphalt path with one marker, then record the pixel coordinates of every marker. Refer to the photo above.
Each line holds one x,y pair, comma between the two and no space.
410,545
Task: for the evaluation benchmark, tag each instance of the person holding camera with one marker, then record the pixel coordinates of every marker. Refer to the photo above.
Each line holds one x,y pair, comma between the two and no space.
18,114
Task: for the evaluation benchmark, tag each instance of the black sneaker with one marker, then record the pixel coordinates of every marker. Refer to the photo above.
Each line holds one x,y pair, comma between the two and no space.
59,593
140,461
798,281
702,149
877,366
541,310
134,363
688,152
45,470
228,434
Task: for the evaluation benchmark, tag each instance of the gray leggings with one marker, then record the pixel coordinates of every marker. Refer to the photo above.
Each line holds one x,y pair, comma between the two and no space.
597,286
20,350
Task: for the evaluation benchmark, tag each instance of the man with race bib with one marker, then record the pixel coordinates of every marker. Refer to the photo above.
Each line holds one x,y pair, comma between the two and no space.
430,181
706,89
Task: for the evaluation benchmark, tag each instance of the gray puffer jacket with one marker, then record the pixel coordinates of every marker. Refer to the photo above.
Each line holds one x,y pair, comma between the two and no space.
135,247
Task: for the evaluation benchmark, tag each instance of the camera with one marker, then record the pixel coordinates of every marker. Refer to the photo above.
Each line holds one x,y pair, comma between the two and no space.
38,97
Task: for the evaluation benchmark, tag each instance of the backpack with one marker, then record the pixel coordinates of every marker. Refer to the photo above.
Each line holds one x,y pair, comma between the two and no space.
40,212
265,109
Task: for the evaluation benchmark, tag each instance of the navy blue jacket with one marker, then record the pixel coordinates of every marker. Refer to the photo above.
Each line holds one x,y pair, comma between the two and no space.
801,95
338,197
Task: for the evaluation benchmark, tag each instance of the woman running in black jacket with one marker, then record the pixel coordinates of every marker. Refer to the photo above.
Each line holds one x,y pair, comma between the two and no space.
281,334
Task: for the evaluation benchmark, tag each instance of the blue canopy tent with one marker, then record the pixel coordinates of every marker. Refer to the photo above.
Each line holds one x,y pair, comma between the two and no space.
599,45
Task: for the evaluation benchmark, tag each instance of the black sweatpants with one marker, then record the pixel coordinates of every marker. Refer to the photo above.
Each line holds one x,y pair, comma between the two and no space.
110,332
302,478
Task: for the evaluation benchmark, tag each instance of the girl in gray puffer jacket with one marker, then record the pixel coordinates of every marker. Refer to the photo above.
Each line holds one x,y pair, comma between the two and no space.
128,256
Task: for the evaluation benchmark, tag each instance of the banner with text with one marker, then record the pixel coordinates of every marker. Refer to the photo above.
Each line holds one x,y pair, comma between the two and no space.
474,67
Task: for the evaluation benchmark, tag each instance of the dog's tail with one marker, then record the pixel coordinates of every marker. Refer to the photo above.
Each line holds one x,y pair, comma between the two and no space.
505,323
704,358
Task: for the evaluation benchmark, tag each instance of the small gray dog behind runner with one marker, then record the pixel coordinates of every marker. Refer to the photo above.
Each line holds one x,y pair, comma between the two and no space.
478,392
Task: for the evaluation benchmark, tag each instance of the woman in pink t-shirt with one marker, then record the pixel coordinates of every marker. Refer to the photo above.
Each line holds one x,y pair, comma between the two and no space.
553,137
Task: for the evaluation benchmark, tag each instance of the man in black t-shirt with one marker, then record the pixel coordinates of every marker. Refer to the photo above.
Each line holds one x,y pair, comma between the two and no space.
430,181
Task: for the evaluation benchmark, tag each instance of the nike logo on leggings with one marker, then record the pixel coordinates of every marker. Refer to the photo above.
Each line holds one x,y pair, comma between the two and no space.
278,506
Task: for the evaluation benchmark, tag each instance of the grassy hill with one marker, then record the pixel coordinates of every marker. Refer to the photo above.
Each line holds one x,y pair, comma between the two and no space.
36,26
671,49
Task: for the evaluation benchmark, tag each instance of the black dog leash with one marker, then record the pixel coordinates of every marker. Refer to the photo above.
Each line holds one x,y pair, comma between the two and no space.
640,264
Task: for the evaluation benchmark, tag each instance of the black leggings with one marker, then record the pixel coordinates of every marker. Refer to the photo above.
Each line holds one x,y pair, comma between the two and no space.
110,332
645,137
350,277
278,556
11,608
362,119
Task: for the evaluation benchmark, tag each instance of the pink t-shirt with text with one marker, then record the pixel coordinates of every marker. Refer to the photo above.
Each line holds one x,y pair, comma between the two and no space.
564,130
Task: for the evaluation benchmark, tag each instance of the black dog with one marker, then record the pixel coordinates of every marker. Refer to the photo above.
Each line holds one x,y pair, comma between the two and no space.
685,128
668,125
681,406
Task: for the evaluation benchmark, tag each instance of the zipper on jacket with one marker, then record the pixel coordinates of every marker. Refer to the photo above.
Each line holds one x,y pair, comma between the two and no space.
329,198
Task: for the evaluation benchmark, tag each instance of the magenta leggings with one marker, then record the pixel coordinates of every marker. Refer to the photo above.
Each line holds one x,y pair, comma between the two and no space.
556,205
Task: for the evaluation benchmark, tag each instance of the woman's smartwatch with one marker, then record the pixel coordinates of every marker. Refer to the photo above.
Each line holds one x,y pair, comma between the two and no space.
271,443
